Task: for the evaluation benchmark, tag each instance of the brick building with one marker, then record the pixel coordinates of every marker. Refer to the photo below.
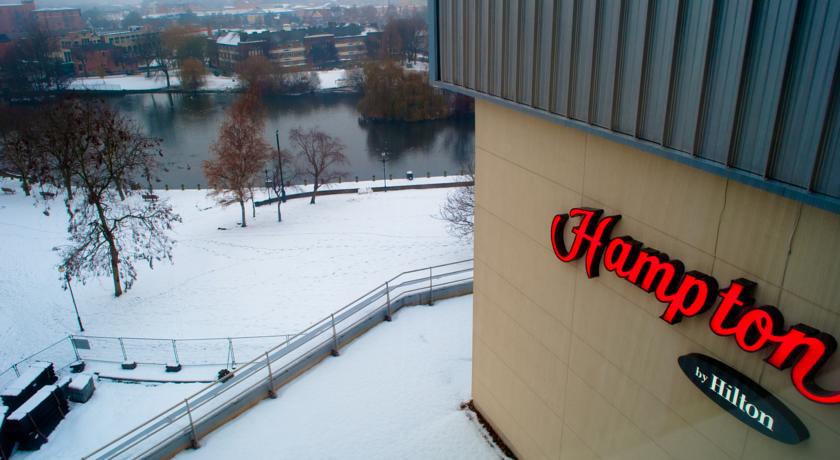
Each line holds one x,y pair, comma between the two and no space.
16,18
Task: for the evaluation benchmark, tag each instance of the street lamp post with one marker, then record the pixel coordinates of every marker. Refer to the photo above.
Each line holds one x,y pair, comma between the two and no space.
62,269
282,196
384,177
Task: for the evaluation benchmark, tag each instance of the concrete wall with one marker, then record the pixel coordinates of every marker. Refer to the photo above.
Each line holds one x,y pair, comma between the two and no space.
570,367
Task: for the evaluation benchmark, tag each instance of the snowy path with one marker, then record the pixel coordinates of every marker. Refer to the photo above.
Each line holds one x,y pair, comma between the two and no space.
268,278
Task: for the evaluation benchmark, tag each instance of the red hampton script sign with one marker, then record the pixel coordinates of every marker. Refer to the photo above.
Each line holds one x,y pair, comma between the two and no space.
686,294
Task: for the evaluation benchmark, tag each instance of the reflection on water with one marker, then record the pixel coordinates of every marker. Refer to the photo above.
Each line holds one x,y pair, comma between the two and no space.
188,124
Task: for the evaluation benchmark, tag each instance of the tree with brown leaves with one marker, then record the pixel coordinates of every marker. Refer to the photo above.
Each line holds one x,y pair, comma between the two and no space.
193,74
256,73
318,154
240,153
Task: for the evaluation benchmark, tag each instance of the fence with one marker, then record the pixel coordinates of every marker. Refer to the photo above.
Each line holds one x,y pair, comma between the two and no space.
185,423
59,353
224,352
218,351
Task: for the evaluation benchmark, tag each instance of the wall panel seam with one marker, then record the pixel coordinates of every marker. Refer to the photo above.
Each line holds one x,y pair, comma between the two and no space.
565,360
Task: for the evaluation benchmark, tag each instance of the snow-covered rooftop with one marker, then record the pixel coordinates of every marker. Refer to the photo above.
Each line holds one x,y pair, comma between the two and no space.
230,38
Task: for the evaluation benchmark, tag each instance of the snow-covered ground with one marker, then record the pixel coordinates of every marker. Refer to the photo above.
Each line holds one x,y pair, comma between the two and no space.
269,278
114,409
141,83
330,79
393,393
418,66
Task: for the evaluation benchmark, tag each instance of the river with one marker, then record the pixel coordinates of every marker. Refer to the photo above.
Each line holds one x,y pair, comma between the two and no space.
188,124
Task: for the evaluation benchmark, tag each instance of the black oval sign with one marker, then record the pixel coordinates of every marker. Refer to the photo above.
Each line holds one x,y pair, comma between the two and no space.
745,399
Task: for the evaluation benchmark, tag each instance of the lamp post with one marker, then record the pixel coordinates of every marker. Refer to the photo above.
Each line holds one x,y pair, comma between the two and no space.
384,177
282,196
62,269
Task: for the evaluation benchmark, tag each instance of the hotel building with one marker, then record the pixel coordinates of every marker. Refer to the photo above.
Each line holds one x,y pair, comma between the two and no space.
712,129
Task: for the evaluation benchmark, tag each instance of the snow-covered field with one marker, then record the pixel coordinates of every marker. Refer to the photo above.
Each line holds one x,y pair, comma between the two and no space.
393,393
141,83
331,79
269,278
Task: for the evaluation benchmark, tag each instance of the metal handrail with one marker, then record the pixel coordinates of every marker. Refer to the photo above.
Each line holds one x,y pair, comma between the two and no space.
315,332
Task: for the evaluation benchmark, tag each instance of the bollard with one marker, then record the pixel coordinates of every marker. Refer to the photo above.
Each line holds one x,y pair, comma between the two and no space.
166,187
390,177
428,175
357,179
335,337
374,177
444,173
339,179
199,186
305,182
182,187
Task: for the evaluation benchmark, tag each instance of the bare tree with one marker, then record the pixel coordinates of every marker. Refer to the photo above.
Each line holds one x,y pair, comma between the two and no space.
87,147
459,209
148,49
18,155
318,154
240,153
32,66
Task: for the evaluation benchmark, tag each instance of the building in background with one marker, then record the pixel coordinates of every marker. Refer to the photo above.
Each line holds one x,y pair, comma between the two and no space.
58,20
351,48
15,19
713,129
289,55
233,47
130,41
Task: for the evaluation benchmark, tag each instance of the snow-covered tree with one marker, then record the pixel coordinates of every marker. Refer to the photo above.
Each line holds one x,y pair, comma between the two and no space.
97,158
111,226
318,155
459,209
240,153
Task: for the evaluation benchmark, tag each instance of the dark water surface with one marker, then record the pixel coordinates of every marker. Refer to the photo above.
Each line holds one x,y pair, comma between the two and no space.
188,124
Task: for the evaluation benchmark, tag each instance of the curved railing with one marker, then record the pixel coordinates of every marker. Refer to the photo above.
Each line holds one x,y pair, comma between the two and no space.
185,423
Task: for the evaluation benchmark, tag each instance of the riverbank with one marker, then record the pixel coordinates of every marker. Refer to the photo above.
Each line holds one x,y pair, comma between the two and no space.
330,80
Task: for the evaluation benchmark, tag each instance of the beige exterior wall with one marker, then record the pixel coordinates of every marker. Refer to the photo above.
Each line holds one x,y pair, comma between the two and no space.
573,368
